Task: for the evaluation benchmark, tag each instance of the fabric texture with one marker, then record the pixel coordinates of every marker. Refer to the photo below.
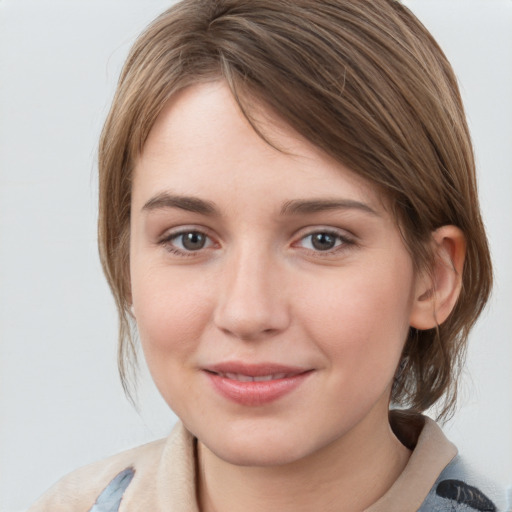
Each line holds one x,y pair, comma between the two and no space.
161,476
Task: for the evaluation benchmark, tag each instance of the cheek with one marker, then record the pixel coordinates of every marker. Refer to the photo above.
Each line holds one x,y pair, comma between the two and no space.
361,320
171,311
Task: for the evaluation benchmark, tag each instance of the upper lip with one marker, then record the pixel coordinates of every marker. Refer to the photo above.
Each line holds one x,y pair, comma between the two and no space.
255,370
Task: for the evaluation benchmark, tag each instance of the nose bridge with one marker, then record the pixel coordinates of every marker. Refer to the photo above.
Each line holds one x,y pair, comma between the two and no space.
252,302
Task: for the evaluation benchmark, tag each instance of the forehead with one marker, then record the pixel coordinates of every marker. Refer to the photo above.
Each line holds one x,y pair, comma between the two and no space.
201,143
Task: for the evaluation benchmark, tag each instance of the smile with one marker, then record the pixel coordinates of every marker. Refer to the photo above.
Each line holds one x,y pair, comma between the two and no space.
249,378
255,385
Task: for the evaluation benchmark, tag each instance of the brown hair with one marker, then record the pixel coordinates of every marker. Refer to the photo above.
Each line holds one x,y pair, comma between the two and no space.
362,80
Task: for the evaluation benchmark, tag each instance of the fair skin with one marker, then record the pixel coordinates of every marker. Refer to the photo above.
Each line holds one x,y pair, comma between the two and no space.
245,262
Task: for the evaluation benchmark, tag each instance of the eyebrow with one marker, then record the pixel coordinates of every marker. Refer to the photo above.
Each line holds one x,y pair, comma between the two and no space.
295,207
190,204
299,206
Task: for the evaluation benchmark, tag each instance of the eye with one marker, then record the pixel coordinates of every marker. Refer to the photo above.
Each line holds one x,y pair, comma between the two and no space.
192,241
187,241
323,241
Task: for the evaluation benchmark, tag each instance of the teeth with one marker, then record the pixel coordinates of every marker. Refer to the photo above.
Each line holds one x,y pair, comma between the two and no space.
247,378
239,377
263,378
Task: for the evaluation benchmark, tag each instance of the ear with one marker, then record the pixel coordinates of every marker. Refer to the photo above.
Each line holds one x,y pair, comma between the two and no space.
437,293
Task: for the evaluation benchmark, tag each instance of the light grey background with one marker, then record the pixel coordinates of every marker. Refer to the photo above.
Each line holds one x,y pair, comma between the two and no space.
61,405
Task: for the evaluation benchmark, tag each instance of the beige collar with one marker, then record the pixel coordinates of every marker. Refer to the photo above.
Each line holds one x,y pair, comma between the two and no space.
432,453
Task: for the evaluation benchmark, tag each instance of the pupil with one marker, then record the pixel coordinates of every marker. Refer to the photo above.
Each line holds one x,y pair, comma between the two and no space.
323,241
193,241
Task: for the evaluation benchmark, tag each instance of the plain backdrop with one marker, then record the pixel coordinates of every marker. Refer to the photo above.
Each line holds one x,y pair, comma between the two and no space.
61,403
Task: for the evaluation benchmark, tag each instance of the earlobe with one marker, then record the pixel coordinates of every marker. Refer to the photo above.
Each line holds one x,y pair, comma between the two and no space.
437,293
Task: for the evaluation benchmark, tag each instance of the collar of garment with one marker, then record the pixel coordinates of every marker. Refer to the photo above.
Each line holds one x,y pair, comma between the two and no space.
162,475
432,452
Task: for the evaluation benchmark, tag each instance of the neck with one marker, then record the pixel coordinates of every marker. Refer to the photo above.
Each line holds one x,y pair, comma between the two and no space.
349,474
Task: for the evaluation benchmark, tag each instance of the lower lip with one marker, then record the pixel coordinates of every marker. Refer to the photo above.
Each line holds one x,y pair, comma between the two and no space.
256,393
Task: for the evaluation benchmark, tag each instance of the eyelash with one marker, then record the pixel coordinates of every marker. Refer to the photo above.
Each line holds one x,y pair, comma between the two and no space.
343,242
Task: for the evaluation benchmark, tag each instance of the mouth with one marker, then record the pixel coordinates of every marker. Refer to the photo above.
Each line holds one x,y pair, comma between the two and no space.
240,377
255,385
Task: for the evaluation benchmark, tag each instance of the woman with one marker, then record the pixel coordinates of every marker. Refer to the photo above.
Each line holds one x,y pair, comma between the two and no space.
289,215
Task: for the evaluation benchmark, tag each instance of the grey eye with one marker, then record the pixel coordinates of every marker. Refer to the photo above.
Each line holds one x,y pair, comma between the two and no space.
323,241
192,241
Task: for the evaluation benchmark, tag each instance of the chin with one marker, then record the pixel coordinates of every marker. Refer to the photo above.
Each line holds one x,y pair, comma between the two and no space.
262,447
256,454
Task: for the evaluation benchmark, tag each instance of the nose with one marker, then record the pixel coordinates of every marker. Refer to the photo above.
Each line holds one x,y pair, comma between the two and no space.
252,302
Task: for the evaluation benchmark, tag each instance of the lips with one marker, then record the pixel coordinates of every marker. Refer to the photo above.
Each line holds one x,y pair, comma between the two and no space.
253,385
249,378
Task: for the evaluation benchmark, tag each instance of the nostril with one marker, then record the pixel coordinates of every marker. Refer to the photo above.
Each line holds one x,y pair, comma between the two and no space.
248,329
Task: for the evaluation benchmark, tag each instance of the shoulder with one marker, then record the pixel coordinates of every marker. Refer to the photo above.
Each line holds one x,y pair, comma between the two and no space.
436,479
80,490
460,488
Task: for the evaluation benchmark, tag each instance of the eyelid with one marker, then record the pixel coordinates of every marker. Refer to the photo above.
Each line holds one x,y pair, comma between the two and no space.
320,228
184,228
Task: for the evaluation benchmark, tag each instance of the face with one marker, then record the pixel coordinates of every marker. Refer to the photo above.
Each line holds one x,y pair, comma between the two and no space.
272,290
